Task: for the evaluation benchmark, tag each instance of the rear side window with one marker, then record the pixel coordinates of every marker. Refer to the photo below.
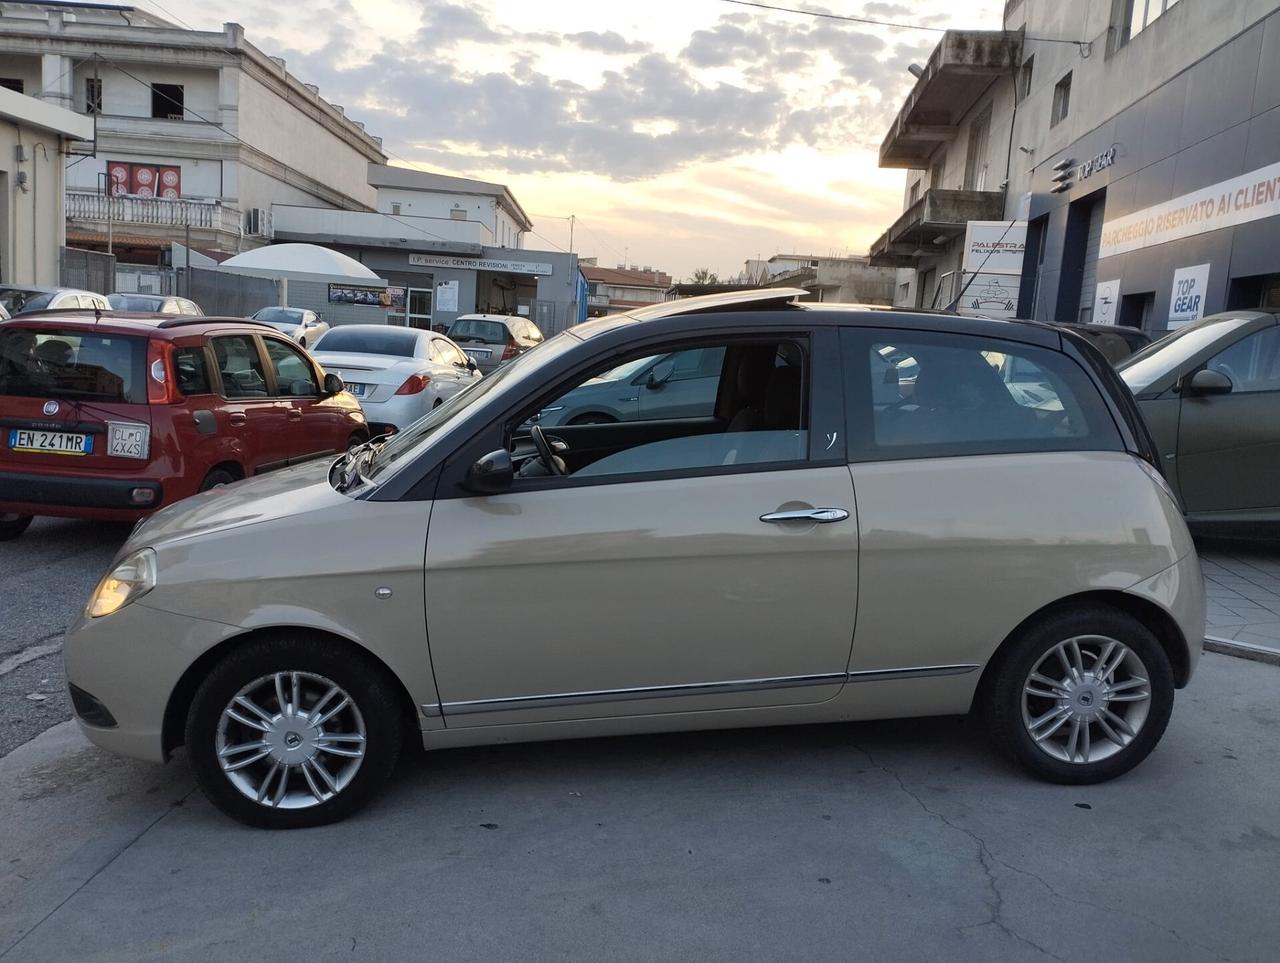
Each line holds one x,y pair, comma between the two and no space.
241,368
72,364
476,329
193,371
919,395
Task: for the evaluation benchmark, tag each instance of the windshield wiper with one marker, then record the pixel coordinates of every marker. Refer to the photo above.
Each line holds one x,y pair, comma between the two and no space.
356,461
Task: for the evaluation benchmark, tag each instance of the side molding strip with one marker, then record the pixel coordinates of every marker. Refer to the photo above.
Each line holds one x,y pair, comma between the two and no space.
690,689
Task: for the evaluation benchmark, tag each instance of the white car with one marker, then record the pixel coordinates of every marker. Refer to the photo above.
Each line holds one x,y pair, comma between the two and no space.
398,374
305,327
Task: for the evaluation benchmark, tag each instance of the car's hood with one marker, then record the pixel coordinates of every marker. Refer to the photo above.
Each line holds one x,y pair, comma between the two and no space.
259,499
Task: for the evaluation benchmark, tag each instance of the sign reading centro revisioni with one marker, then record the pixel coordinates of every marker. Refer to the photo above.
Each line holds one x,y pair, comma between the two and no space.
1249,197
480,264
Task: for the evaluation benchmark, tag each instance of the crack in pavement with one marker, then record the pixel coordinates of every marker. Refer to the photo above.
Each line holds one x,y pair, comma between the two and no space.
32,652
97,872
986,857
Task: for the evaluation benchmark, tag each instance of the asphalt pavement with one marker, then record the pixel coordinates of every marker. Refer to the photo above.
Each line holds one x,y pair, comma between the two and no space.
46,576
886,841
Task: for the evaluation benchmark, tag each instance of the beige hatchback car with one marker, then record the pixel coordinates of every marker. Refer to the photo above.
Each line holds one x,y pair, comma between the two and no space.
862,518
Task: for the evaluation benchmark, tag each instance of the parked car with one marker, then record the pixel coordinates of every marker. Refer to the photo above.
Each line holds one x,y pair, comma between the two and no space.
1210,393
1115,341
495,583
154,304
305,327
114,418
20,299
493,339
398,374
680,385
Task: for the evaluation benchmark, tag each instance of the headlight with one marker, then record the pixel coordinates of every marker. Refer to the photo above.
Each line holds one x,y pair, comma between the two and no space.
133,578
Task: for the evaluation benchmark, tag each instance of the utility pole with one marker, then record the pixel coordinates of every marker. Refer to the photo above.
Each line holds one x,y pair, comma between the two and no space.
187,254
572,218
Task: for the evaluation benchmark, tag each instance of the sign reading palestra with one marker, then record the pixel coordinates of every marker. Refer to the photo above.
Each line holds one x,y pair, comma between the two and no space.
480,264
1249,197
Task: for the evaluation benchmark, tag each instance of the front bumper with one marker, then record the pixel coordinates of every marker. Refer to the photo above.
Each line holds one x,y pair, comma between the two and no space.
131,662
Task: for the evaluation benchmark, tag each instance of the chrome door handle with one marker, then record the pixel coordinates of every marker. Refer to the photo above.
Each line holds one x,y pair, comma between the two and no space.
820,515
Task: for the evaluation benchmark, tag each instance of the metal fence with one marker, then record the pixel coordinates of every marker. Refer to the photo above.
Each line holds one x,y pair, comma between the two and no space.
224,294
87,270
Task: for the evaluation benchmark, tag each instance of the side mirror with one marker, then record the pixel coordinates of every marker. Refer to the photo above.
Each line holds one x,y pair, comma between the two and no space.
471,363
660,375
332,384
1206,381
492,474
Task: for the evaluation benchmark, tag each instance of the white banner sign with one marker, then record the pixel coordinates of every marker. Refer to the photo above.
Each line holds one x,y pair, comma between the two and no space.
990,295
480,264
1248,197
447,296
995,247
1186,298
1106,302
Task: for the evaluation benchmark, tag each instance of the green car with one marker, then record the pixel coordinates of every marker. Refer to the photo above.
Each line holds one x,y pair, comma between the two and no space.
1210,393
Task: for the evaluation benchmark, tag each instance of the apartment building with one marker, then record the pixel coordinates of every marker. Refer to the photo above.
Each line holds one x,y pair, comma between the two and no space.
615,290
846,280
1123,156
198,133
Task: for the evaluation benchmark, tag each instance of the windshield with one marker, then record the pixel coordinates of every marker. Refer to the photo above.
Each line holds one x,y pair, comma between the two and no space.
1145,367
400,342
135,302
279,316
286,326
414,439
71,364
23,299
475,329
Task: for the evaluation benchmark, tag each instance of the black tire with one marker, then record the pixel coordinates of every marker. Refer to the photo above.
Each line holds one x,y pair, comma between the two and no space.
1001,696
372,691
355,440
218,476
12,525
593,418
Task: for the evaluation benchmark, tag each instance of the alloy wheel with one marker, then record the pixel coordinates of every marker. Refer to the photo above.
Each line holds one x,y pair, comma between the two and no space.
1086,699
291,740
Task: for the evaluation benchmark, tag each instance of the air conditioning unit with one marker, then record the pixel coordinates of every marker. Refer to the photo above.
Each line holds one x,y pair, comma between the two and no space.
257,222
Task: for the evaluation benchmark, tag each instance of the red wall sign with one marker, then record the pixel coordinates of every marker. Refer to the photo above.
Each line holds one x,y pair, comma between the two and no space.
144,180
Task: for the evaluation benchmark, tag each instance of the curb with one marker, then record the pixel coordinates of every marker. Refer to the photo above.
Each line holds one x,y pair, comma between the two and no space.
1242,650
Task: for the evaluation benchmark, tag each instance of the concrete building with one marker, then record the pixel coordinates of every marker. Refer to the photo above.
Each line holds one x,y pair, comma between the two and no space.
35,138
1134,144
614,290
432,238
846,280
196,130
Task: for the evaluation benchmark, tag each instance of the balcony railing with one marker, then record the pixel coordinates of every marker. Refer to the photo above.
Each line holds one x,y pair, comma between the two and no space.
208,215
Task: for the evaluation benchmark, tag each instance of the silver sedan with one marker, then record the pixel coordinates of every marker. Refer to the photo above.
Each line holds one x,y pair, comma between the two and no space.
305,327
398,374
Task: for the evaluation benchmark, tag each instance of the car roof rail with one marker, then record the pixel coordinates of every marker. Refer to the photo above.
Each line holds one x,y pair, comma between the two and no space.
182,320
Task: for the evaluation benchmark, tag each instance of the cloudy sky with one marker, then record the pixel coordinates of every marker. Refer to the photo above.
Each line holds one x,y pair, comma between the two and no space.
682,133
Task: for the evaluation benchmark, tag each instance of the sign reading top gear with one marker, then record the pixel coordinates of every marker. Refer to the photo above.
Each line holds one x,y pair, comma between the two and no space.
1186,299
992,275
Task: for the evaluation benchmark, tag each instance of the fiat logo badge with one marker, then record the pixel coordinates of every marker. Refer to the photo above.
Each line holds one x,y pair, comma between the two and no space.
50,407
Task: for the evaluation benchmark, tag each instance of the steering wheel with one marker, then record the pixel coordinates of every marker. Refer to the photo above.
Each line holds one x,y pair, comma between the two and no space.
549,459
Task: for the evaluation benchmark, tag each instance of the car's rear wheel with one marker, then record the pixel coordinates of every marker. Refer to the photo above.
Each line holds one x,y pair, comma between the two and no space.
294,731
12,525
216,478
1081,696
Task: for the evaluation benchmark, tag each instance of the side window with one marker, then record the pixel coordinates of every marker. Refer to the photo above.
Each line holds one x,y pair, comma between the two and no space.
917,394
241,368
706,407
193,373
1252,363
448,354
294,376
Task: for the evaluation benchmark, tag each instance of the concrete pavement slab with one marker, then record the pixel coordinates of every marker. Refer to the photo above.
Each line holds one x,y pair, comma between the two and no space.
886,841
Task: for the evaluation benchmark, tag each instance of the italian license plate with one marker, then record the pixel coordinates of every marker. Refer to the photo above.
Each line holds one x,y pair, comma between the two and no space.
54,442
357,390
479,354
128,440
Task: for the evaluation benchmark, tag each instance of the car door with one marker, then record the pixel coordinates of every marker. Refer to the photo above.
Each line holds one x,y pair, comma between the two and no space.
1228,456
251,416
312,426
701,571
682,385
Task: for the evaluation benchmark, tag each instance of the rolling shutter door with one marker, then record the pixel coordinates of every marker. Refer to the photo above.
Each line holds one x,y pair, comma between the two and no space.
1089,278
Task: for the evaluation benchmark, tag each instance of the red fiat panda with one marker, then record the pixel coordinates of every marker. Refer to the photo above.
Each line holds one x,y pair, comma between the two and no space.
113,416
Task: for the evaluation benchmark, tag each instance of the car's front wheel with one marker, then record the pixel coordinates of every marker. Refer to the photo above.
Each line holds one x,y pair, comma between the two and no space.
294,731
12,525
1081,696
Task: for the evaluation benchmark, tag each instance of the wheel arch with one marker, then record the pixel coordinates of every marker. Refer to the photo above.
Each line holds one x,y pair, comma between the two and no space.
175,713
1160,623
230,465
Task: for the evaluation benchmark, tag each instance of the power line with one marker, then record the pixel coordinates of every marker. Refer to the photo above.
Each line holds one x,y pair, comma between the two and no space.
549,241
